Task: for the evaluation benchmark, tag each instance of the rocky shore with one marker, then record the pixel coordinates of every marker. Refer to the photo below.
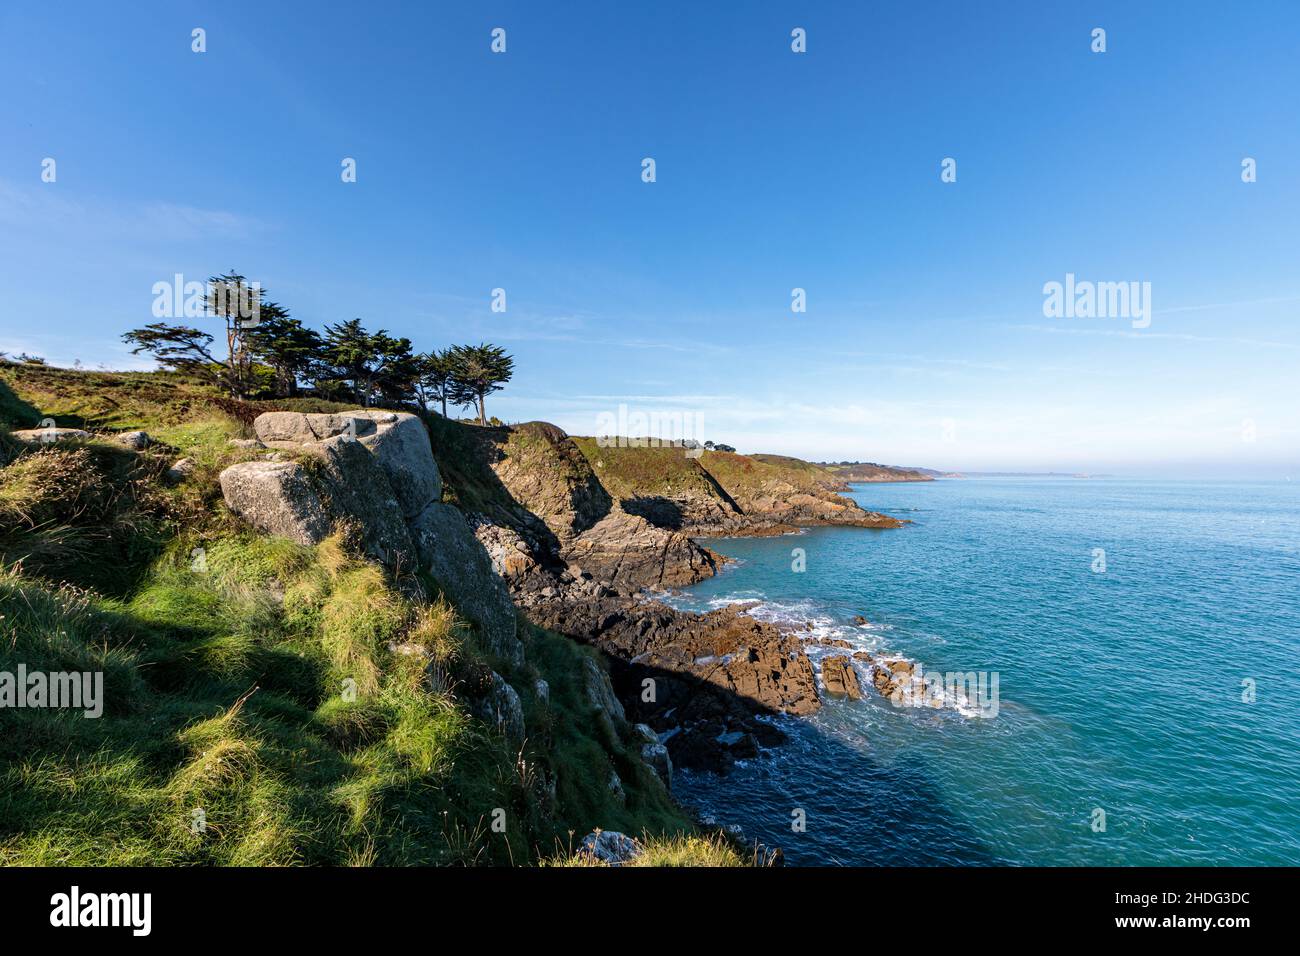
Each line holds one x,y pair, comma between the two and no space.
622,520
526,518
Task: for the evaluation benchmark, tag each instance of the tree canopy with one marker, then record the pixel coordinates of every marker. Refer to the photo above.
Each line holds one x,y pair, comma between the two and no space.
477,371
269,353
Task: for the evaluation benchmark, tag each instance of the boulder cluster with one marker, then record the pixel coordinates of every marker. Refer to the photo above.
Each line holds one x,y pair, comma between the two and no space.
374,472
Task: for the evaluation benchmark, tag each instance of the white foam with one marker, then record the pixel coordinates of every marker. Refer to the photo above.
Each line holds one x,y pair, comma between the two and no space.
796,615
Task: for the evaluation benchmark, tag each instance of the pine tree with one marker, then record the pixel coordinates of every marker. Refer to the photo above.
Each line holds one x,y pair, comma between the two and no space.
477,371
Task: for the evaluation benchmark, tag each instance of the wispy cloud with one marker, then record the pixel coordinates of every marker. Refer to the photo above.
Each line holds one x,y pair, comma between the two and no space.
48,209
1227,305
1143,334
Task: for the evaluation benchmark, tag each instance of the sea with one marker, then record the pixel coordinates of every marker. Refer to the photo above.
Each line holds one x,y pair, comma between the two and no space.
1139,646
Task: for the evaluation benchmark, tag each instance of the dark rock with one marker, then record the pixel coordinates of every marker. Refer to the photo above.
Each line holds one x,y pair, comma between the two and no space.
624,550
501,708
710,673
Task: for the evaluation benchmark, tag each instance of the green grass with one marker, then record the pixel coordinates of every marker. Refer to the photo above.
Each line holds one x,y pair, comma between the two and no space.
88,513
648,472
708,850
631,472
123,401
222,698
746,476
463,453
277,693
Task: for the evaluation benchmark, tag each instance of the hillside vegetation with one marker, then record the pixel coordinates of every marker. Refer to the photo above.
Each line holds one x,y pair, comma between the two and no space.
722,492
870,471
266,702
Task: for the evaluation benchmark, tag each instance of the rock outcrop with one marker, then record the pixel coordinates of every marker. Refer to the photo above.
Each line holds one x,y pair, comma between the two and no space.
892,678
604,703
276,497
49,434
657,758
355,488
624,550
372,472
556,517
707,683
501,708
721,493
447,548
546,473
840,678
515,555
609,847
398,441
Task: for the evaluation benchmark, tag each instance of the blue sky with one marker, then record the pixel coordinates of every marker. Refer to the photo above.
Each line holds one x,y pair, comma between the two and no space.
924,341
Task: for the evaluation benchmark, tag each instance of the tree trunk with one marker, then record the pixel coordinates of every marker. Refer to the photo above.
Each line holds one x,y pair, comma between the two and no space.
482,415
444,404
231,365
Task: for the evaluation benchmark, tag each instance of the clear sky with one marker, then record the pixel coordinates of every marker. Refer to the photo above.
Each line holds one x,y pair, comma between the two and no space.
924,340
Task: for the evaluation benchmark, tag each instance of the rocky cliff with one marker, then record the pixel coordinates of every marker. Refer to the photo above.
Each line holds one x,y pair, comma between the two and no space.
722,493
572,534
578,530
373,472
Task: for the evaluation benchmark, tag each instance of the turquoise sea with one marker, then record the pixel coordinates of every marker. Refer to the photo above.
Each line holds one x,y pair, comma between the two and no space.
1163,690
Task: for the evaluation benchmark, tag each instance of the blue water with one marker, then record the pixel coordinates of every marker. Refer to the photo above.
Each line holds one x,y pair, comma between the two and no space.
1120,690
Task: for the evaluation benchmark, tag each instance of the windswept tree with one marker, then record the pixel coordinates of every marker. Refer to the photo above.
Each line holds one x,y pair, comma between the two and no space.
180,348
238,303
372,364
477,371
397,382
186,348
267,350
284,344
434,381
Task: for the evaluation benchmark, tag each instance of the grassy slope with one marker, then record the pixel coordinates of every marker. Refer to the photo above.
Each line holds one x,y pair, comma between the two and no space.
745,476
291,772
464,452
648,472
869,471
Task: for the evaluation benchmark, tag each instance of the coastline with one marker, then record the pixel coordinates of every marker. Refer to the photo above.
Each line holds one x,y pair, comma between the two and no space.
1098,685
